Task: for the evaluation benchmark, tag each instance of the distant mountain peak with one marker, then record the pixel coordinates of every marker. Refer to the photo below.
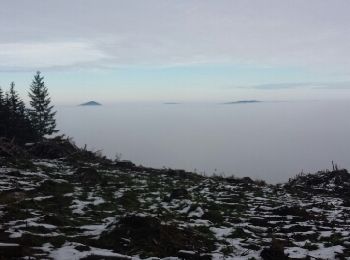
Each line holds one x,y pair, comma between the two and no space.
243,102
91,103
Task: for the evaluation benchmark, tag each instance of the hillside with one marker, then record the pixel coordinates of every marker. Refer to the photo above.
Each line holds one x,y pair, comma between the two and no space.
91,103
58,201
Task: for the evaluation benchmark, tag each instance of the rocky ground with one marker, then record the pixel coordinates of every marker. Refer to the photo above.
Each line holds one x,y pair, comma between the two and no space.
61,202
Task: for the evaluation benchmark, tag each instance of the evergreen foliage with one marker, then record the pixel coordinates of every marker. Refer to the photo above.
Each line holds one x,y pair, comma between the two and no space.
20,124
42,115
3,114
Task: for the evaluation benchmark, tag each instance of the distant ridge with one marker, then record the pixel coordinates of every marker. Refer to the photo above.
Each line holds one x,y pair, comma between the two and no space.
91,103
242,102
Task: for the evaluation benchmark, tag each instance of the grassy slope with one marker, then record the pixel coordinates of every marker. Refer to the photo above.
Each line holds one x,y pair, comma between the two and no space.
83,208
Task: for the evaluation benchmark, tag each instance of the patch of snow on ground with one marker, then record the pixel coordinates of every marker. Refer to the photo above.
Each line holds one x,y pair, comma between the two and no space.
198,212
220,233
296,252
96,230
42,198
68,252
8,244
78,206
326,252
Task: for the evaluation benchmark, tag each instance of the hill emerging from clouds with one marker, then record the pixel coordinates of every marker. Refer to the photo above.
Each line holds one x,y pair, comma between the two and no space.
91,103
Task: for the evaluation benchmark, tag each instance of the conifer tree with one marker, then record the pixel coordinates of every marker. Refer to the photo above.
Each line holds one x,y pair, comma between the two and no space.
12,104
42,115
18,126
14,101
3,114
2,98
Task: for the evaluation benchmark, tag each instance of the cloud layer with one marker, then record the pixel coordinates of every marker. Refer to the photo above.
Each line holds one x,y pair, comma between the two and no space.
308,34
50,54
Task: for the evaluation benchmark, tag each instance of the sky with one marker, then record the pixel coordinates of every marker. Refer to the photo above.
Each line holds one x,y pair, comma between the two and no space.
177,51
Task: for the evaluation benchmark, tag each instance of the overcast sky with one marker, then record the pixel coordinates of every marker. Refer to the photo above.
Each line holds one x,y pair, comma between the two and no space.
183,50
